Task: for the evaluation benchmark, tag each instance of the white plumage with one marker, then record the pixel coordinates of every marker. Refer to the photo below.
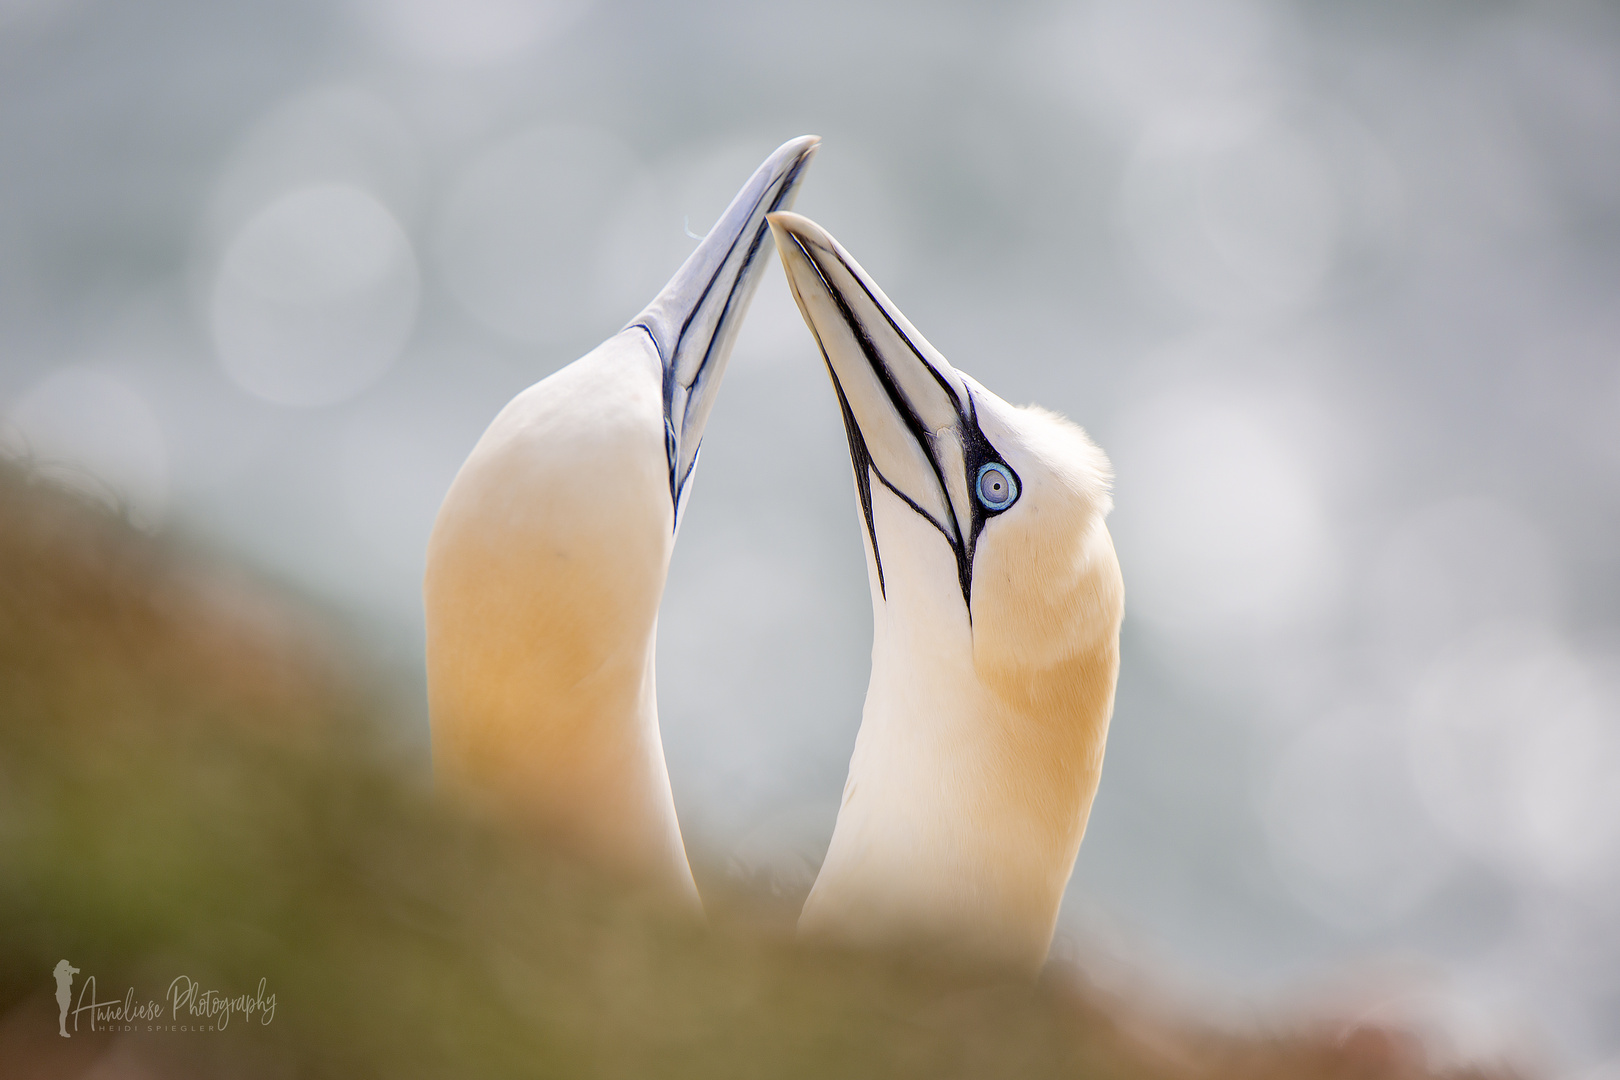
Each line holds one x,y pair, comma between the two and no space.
997,603
547,563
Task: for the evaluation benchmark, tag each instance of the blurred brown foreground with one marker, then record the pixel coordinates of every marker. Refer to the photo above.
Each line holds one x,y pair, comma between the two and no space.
197,783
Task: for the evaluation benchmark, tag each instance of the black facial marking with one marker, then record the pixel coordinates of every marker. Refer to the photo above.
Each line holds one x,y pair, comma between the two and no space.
976,448
861,459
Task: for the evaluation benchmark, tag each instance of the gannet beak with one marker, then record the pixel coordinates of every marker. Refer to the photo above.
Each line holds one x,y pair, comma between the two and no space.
694,320
909,415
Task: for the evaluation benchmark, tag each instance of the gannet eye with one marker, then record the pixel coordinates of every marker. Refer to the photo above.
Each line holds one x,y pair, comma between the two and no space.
997,488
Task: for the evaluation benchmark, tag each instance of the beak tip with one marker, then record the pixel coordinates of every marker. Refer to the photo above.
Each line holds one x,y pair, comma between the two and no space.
788,223
804,146
791,158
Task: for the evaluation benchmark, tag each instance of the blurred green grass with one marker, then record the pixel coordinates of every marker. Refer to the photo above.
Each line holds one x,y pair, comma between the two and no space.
197,778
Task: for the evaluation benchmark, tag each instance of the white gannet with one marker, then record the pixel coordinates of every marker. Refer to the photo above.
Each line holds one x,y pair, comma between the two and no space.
997,602
547,562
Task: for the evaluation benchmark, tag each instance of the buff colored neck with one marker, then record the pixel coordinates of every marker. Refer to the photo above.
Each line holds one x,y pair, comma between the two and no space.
969,788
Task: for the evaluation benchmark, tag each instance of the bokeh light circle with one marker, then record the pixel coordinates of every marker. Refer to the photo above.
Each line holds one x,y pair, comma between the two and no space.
1345,826
467,33
91,431
315,297
1232,213
1223,520
521,228
1514,748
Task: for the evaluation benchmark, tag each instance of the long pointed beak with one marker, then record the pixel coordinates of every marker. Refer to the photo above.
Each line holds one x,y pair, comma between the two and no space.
909,415
693,322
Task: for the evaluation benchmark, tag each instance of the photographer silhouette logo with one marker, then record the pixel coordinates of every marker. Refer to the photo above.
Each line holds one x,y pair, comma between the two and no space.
64,993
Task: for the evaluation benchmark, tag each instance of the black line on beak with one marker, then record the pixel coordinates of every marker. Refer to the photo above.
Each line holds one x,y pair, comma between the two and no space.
789,179
677,483
861,458
977,451
961,548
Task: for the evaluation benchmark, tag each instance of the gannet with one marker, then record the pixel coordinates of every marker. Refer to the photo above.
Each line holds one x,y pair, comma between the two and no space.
996,601
547,562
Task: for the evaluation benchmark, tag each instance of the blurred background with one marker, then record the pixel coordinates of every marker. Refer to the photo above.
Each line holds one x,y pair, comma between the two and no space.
1335,285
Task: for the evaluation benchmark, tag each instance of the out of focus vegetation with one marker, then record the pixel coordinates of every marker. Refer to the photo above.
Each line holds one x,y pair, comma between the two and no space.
196,779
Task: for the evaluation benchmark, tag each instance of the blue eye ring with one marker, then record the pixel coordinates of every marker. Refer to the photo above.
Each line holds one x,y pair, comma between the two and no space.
995,487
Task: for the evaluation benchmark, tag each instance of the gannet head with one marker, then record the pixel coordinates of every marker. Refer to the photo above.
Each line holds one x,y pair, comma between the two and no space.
547,563
997,603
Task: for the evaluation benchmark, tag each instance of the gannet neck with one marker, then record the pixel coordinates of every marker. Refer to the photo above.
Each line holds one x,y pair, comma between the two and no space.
977,758
996,602
545,571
